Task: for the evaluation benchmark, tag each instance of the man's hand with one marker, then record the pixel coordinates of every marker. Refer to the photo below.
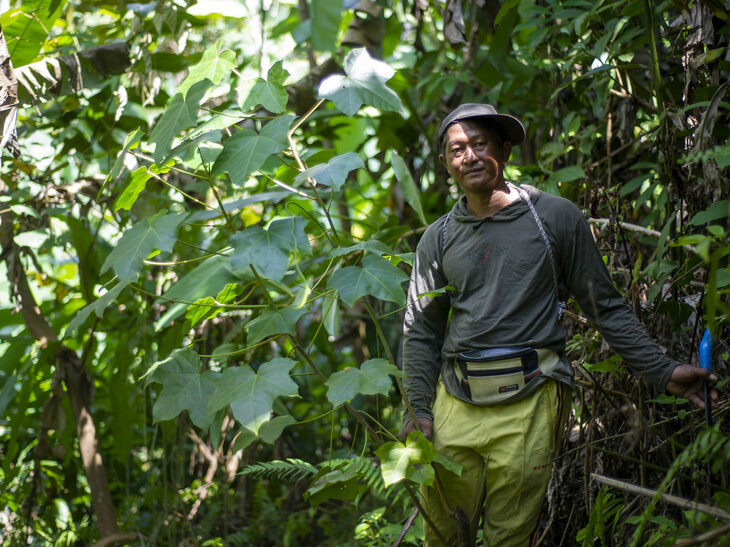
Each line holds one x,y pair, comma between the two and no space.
689,382
426,428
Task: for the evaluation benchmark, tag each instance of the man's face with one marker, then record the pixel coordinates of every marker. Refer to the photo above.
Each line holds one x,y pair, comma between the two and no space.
473,157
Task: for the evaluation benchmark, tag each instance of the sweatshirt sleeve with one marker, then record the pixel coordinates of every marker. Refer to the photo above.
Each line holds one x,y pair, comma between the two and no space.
590,283
423,327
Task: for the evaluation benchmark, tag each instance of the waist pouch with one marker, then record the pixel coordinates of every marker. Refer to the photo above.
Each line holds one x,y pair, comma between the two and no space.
496,375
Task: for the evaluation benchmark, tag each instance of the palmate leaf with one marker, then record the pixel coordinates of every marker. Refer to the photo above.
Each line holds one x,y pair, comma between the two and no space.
26,28
246,151
268,249
334,172
411,460
184,387
273,322
156,232
364,84
181,111
372,377
251,394
377,277
269,93
213,66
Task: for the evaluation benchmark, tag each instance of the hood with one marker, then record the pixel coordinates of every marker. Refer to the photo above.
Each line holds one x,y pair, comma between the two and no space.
515,209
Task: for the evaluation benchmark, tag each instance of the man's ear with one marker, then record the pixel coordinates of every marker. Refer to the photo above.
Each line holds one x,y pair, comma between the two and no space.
443,161
506,151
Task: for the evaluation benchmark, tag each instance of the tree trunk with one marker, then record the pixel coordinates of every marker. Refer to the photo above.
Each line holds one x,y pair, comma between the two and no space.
75,375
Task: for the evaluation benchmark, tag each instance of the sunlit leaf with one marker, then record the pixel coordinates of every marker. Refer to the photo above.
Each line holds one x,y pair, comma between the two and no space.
376,277
26,28
334,172
269,93
131,190
157,232
363,84
206,279
251,394
214,66
409,461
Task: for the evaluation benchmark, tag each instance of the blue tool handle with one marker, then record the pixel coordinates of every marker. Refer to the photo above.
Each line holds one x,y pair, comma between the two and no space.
706,344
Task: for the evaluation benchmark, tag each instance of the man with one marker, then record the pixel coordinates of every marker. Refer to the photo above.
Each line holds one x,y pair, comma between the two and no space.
484,361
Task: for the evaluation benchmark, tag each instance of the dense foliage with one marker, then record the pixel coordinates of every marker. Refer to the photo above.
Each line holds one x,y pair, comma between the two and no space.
208,219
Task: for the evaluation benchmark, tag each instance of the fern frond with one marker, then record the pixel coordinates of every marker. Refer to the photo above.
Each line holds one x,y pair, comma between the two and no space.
292,469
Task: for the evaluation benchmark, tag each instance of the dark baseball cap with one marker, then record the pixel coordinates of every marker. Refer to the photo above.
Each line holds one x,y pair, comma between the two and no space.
510,126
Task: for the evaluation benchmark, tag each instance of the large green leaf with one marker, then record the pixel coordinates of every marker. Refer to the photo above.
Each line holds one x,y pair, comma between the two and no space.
251,394
411,461
269,93
246,151
334,172
27,27
268,250
364,84
376,277
157,232
181,112
372,377
184,387
326,17
214,66
273,322
408,186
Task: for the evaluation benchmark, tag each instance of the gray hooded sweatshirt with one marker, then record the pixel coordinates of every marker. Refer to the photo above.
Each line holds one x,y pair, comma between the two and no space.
504,295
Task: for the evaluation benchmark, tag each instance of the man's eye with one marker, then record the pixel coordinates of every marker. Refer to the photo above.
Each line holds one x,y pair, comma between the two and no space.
480,145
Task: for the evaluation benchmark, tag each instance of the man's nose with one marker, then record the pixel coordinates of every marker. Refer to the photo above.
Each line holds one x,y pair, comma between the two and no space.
469,154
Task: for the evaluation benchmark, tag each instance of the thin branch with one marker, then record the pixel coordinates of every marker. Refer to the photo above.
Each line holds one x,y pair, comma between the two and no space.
668,498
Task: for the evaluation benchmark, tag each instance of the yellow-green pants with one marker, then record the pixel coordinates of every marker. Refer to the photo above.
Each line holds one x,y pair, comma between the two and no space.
507,453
